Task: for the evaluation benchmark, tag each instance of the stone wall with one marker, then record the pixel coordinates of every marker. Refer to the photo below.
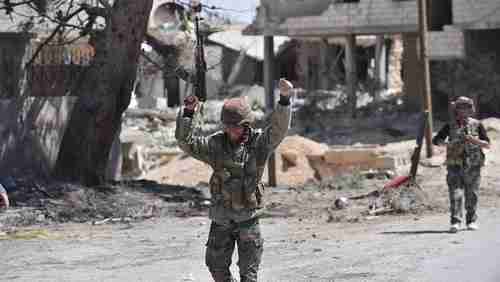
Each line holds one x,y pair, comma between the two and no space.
32,133
476,76
476,14
446,44
367,16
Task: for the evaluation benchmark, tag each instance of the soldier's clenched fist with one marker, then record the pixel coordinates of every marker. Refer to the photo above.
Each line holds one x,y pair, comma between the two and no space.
190,103
285,87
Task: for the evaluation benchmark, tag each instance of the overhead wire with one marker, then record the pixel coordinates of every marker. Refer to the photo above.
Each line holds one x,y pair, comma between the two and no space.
213,7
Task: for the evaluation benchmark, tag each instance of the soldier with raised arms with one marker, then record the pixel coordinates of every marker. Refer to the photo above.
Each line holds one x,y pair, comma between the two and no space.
237,155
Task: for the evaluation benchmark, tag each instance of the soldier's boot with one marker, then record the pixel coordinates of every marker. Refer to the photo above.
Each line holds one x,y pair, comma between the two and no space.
472,226
454,228
248,279
222,276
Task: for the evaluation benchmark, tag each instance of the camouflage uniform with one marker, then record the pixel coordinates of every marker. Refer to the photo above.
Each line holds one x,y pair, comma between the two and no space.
464,162
237,194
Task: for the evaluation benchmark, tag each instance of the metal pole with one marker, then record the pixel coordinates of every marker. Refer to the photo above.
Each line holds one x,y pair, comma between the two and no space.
424,59
269,92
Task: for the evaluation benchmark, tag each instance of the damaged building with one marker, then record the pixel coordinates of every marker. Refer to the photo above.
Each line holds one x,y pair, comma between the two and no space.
461,32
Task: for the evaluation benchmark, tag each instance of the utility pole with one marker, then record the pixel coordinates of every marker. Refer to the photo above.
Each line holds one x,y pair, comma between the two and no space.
269,90
425,76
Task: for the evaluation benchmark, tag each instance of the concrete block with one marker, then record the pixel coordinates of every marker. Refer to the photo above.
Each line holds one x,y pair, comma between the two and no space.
350,156
325,169
133,161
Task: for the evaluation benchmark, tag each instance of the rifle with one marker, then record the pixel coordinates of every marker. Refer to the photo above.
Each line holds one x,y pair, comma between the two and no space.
415,157
200,64
409,179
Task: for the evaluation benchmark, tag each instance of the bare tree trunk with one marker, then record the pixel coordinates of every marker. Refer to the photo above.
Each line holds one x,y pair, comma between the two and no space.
104,94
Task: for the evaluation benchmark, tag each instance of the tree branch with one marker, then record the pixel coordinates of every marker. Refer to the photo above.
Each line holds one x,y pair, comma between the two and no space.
105,4
8,6
96,11
51,36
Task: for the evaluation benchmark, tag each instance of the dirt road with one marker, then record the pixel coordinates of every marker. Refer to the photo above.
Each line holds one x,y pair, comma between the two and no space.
302,244
172,249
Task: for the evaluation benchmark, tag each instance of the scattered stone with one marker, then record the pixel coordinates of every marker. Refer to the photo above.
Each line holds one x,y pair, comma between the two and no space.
341,203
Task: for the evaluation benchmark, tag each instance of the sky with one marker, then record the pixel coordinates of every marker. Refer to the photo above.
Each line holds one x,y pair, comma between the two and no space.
245,8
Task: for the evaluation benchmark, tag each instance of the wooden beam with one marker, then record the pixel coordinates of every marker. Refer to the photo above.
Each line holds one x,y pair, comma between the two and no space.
426,84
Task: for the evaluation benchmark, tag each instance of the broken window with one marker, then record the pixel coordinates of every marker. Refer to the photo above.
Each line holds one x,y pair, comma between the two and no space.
346,1
440,14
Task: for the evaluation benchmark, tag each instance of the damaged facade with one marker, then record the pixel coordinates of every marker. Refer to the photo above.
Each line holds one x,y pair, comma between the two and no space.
458,29
34,126
241,57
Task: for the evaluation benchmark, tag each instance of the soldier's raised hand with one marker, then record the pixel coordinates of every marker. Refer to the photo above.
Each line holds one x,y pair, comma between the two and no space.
285,87
190,103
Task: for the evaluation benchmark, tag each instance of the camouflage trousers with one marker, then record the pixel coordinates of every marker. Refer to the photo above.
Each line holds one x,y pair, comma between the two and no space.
220,247
463,184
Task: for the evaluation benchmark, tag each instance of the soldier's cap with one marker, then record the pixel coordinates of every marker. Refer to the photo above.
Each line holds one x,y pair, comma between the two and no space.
236,111
462,100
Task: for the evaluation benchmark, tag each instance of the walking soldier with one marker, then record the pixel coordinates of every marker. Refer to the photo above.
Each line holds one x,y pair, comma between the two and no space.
237,156
464,159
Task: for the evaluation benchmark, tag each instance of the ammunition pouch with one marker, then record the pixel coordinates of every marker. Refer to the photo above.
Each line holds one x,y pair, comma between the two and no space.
233,194
455,154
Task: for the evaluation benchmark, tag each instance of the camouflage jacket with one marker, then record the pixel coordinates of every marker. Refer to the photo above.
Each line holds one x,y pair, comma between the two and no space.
236,191
458,152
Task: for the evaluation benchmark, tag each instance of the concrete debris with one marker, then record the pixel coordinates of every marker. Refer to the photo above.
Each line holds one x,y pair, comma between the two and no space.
133,161
341,203
340,160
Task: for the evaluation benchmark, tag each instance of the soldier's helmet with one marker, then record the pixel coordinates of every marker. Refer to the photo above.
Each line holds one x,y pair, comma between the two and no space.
236,111
464,101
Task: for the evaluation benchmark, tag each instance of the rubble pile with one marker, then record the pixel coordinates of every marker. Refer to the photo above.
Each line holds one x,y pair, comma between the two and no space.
37,202
148,137
150,152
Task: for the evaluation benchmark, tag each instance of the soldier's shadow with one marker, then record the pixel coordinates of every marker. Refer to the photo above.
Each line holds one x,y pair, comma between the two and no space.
415,232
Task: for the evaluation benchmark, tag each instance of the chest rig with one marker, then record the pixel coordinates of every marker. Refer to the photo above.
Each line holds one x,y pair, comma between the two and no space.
235,182
461,153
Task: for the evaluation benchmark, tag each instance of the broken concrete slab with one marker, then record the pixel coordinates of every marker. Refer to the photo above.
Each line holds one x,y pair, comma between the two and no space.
341,160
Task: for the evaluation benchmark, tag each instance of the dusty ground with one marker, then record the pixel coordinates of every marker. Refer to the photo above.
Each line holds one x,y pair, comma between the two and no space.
306,238
172,249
